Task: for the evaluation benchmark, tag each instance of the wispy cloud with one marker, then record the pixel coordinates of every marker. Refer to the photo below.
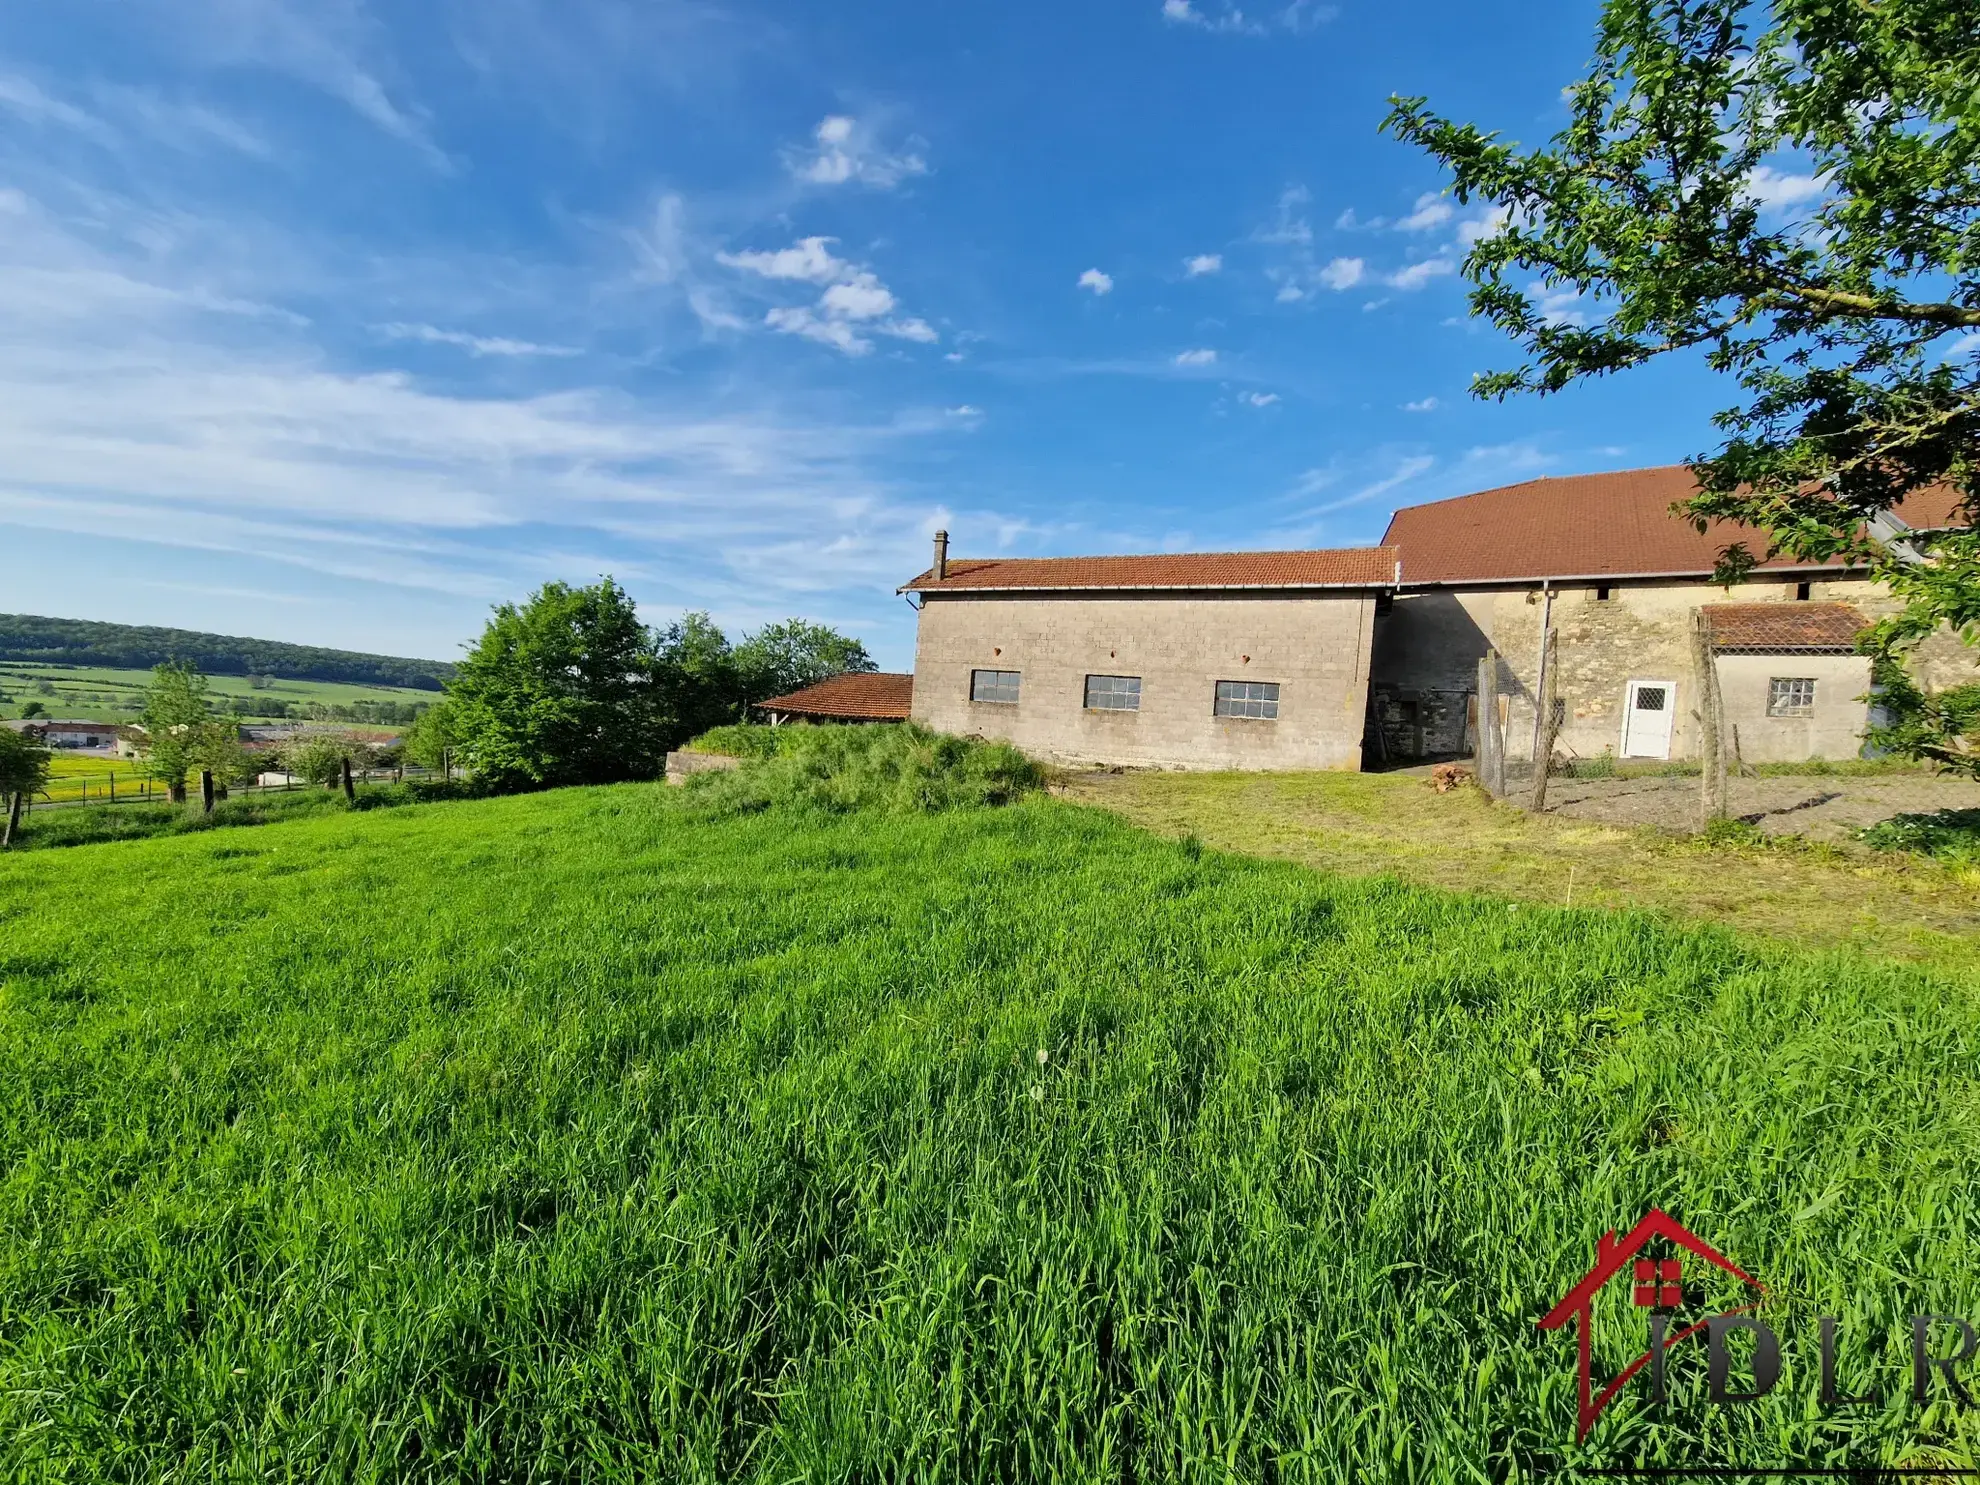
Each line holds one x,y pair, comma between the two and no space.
475,345
1432,210
1203,263
1779,190
1201,356
1223,16
1402,474
1422,405
847,150
1416,275
1258,399
1098,282
1342,273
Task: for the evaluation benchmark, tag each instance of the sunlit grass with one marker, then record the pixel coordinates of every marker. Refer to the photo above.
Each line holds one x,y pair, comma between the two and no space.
580,1136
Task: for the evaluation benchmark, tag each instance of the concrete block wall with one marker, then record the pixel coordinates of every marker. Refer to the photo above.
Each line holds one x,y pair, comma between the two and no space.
1316,647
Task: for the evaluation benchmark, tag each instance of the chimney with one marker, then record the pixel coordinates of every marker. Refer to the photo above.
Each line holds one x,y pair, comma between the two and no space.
941,554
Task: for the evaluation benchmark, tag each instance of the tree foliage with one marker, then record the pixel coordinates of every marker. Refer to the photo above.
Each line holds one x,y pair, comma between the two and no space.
137,647
1792,190
181,734
319,757
24,765
570,687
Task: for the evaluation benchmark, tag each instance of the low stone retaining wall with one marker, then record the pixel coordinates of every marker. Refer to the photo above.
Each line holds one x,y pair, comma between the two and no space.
680,765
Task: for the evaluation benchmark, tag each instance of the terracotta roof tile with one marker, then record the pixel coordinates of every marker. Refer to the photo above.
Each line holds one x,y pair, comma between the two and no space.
881,696
1586,525
1783,626
1350,567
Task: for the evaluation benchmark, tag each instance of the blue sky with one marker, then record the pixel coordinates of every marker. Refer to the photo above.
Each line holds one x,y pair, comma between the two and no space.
338,322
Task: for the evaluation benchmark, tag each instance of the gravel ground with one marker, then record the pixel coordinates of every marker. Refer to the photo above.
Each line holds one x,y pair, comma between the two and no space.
1820,808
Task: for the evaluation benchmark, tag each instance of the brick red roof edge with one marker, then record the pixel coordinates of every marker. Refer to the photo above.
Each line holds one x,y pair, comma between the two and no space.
1784,626
1344,567
878,696
1588,525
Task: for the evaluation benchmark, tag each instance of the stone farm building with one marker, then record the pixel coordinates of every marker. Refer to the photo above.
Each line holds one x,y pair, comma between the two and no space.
1333,659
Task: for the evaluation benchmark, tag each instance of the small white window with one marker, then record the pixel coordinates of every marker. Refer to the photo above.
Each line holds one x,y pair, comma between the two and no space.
1113,693
1791,696
1248,699
998,686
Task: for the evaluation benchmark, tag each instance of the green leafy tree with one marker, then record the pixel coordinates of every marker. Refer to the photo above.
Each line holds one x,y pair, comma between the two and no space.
33,709
780,658
24,765
1848,322
696,678
319,757
175,720
433,736
561,690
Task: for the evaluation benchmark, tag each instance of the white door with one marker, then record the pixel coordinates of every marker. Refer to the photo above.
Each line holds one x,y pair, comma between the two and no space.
1647,713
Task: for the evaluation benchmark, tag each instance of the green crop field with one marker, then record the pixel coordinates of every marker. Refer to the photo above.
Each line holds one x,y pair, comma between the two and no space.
101,694
592,1135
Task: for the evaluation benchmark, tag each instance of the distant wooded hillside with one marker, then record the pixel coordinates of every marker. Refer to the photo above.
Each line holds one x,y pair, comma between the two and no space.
138,647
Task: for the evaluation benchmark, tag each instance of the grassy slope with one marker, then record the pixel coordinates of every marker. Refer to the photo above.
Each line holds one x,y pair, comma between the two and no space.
1396,823
73,682
571,1137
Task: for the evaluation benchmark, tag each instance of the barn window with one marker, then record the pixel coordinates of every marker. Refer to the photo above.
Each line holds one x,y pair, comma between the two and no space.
1248,699
1803,592
1000,686
1791,696
1602,595
1113,693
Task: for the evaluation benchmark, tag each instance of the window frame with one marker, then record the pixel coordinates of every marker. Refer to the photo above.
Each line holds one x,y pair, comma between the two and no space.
1780,690
1131,691
1219,700
1016,687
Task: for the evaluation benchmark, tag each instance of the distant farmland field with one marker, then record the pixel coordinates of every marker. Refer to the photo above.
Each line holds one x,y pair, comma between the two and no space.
585,1136
100,694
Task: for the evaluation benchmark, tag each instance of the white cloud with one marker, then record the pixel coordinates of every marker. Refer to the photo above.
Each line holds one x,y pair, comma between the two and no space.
1347,221
845,150
965,411
1416,275
854,298
1557,306
860,297
1289,294
1202,356
1423,405
1221,15
809,260
1098,282
475,345
1472,228
1258,399
1289,226
1342,273
1777,190
1962,347
1374,304
1432,210
1203,263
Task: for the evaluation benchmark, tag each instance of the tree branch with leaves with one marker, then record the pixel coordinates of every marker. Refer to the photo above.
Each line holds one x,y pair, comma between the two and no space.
1847,308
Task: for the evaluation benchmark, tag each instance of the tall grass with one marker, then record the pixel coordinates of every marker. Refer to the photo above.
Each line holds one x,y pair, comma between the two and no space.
887,768
576,1136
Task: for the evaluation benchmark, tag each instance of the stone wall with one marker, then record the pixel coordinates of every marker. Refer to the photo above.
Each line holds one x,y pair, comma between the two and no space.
1180,645
1427,648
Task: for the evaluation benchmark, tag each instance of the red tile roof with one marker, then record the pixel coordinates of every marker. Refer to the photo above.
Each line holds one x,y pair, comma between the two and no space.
881,696
1350,567
1584,526
1783,626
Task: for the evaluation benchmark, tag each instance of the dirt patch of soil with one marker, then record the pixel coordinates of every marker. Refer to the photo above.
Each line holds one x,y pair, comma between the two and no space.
1818,807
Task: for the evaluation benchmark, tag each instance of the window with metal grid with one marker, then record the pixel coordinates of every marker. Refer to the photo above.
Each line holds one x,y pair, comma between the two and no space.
1000,686
1113,693
1791,696
1248,699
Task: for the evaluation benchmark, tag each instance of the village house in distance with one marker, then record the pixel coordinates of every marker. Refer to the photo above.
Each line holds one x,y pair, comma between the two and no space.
1370,655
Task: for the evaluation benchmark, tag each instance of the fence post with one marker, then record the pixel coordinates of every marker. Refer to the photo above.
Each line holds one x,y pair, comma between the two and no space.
1491,738
1711,723
1550,726
206,791
350,790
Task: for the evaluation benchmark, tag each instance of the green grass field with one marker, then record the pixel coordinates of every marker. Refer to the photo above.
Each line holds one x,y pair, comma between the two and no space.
589,1136
101,694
